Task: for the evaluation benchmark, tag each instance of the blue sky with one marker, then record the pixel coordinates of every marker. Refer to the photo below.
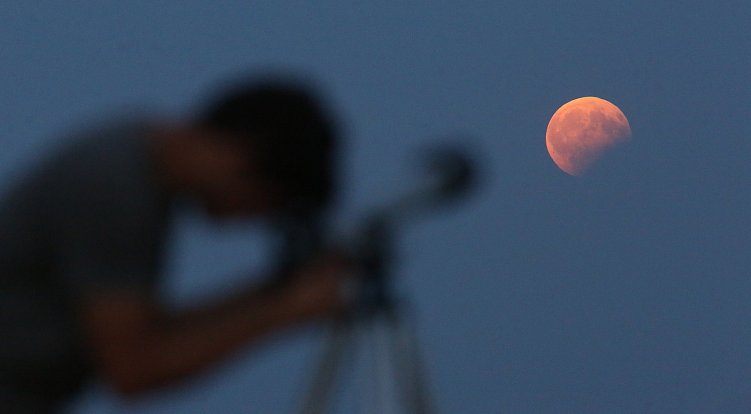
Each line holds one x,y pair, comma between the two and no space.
622,291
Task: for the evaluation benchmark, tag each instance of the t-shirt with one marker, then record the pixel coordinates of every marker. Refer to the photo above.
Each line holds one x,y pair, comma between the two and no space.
90,217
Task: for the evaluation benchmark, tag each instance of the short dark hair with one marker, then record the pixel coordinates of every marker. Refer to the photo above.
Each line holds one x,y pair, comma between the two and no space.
292,137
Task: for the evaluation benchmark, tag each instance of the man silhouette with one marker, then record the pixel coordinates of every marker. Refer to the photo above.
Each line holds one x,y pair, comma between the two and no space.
82,235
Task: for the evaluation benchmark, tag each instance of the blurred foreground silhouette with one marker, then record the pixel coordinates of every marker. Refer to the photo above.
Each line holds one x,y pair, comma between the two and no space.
83,235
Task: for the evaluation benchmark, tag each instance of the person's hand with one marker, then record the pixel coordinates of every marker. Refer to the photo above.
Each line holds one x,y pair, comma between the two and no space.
320,287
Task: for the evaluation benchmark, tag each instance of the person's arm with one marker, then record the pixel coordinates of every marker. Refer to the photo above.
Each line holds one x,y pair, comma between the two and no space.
137,347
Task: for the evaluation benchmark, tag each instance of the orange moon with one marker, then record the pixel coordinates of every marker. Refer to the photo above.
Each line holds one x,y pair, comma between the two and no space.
582,131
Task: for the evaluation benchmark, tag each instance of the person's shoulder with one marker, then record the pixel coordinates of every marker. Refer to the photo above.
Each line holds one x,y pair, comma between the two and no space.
88,155
104,146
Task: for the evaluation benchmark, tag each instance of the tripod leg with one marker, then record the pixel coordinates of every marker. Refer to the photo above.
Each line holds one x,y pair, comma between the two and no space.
410,370
382,375
321,388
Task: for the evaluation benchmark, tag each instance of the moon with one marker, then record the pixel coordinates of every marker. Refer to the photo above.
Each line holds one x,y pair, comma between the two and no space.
582,131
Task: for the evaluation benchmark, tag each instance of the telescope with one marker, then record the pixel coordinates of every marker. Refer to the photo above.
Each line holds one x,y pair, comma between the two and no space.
448,175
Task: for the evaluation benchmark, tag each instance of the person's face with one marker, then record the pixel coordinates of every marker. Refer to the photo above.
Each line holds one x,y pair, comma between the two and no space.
232,186
238,195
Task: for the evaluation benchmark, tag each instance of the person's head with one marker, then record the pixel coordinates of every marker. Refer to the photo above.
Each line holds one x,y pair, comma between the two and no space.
284,142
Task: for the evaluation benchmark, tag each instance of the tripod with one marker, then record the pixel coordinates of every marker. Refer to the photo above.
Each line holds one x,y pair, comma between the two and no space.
395,352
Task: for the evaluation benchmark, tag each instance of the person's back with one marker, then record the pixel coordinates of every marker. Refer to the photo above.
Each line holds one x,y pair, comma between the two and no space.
64,229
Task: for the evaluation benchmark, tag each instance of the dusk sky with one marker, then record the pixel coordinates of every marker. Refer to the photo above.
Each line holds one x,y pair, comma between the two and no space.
626,290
